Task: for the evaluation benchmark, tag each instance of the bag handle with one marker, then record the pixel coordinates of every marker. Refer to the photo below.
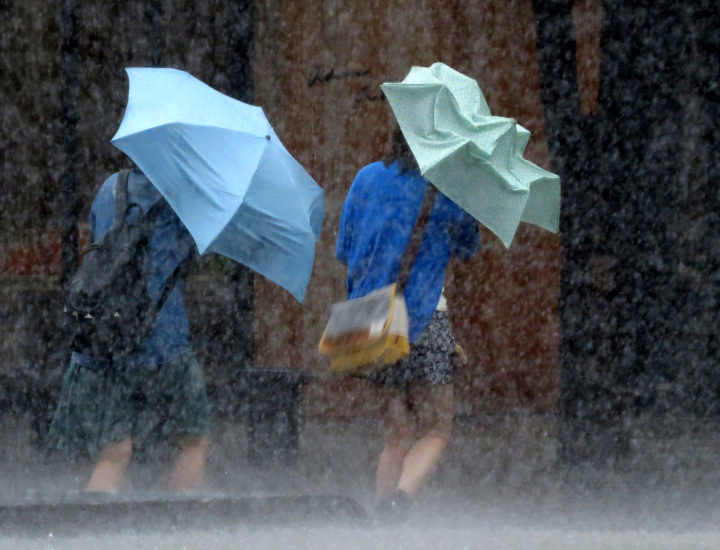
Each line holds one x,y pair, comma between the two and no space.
413,246
121,196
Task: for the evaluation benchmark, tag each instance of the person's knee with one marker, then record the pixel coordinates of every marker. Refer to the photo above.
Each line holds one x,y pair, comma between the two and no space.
197,443
395,453
201,441
118,453
440,436
400,440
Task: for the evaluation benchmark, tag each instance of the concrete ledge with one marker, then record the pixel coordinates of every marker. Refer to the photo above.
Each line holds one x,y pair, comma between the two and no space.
100,513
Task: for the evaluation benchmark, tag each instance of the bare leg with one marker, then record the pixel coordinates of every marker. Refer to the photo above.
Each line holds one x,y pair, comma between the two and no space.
189,468
390,469
399,434
433,407
420,462
107,477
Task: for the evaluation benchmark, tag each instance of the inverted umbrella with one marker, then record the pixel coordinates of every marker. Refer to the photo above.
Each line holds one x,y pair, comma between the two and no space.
223,170
474,158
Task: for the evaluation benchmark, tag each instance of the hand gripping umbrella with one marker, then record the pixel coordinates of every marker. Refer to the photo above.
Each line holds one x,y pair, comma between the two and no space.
223,170
474,158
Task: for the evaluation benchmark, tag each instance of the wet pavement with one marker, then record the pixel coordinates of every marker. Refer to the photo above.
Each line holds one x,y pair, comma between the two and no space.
499,486
333,537
439,524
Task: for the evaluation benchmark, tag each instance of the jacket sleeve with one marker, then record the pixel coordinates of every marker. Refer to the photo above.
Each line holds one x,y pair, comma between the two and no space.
465,237
91,226
347,225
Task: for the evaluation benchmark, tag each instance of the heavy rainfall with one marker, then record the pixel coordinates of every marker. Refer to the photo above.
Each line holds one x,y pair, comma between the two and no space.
359,274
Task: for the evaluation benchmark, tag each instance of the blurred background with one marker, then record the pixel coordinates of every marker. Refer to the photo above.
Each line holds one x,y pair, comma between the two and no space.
583,346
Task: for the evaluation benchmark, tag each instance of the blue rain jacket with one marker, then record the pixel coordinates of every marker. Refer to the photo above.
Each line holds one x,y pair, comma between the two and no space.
375,229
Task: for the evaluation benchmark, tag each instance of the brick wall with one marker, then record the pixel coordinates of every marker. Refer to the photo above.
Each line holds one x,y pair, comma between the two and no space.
317,67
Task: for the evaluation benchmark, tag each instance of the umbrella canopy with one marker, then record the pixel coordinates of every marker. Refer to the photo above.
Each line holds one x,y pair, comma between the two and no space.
474,158
221,167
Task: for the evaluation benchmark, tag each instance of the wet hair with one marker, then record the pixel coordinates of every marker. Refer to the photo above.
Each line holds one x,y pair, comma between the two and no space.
400,152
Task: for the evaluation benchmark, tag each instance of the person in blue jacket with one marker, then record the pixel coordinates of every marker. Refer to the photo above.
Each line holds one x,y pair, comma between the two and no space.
375,228
160,389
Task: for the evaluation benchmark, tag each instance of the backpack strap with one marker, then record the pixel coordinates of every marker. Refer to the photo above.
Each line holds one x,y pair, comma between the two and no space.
154,211
121,196
413,246
181,271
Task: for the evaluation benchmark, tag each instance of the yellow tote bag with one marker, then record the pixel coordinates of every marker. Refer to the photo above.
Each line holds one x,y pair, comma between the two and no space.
367,334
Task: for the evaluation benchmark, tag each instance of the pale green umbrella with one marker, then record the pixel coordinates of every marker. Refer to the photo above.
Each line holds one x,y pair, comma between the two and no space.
474,158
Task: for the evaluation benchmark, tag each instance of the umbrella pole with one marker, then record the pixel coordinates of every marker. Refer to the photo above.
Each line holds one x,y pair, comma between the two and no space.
70,199
156,40
240,36
560,95
244,312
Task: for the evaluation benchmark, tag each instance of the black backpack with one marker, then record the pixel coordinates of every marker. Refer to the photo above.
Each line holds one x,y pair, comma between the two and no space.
110,310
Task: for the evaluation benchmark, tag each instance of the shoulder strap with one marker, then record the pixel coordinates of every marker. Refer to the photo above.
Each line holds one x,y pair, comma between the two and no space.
180,272
413,247
153,212
121,196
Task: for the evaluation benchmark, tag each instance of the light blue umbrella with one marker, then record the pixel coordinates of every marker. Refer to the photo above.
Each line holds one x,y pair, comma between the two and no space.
221,167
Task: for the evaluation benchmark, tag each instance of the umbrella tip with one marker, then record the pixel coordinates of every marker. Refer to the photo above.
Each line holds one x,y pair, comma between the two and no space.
267,137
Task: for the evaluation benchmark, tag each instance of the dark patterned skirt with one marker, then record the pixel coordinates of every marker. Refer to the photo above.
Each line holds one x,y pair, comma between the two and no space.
430,360
151,404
